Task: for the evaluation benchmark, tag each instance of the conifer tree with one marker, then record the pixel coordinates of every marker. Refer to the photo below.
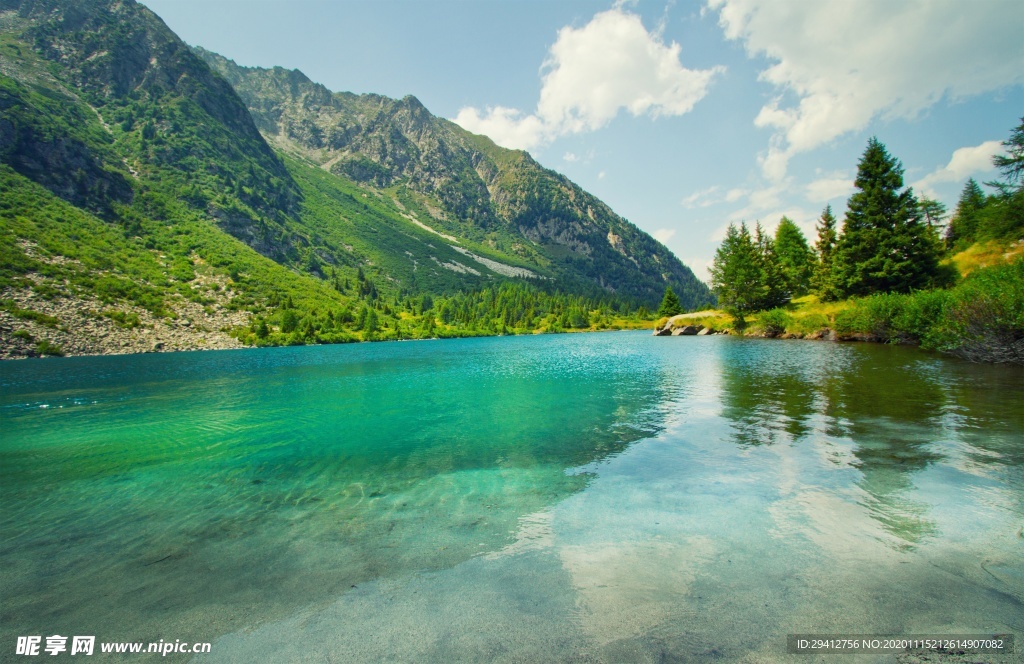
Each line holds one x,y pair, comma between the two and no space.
795,257
934,211
736,271
822,281
1003,214
670,305
1011,163
963,227
372,323
774,290
885,246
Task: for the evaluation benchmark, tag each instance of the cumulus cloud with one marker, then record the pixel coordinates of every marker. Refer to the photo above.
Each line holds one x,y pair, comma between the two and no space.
828,189
838,65
964,163
591,74
505,126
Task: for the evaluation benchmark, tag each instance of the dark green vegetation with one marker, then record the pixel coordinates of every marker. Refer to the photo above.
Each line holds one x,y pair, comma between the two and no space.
747,274
889,260
670,305
135,179
981,319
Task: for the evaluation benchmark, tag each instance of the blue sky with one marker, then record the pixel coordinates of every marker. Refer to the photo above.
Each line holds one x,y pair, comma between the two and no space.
683,115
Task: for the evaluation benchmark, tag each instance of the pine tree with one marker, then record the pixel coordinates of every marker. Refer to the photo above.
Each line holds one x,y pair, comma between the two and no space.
774,287
934,211
1011,163
1003,214
822,281
884,247
795,257
372,323
963,227
736,271
670,305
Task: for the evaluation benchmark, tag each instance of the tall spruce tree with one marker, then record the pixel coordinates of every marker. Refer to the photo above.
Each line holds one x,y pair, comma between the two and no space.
1003,214
795,257
885,246
1011,163
670,305
963,227
736,271
775,290
934,211
746,274
823,281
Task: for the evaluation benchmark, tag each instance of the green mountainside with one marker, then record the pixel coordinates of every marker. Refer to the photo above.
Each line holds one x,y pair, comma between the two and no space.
460,183
141,206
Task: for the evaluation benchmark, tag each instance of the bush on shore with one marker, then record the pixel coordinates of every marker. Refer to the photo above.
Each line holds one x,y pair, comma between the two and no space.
981,319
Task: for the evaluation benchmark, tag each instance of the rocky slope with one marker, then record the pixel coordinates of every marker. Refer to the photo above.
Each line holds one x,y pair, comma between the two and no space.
139,190
478,190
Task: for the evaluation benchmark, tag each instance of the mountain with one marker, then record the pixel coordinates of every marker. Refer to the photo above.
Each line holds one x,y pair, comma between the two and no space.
153,196
464,183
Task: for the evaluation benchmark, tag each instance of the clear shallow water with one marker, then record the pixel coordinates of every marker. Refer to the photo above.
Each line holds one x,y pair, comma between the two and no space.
599,497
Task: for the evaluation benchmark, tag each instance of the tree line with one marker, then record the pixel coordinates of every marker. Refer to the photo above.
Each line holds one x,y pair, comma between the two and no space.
889,241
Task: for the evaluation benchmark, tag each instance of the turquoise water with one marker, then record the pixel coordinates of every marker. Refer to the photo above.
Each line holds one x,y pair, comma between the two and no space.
598,497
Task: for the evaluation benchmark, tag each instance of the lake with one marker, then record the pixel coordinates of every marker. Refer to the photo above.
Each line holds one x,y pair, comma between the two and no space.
584,497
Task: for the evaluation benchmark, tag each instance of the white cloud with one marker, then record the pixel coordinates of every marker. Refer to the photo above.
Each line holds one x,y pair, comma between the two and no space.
734,195
663,235
845,63
600,176
570,157
964,163
592,73
828,189
759,202
701,198
711,196
505,126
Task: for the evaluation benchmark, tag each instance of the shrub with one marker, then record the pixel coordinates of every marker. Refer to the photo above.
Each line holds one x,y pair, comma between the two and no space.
45,347
983,319
880,317
774,322
920,312
126,320
808,324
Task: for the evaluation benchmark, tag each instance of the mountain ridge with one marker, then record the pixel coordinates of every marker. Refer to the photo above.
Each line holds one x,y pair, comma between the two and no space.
386,142
137,183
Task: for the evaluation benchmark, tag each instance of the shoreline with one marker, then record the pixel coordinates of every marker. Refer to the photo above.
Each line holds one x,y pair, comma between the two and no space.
184,342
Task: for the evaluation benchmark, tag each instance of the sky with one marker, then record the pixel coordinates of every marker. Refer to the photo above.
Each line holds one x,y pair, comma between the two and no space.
683,115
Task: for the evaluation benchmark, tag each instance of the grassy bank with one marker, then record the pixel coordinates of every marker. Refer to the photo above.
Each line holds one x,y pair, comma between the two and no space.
980,319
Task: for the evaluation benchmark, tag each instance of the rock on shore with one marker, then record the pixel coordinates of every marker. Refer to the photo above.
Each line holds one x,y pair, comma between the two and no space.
682,326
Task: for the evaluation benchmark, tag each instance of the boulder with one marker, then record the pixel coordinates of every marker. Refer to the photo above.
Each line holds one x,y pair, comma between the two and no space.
663,332
685,331
824,334
706,331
